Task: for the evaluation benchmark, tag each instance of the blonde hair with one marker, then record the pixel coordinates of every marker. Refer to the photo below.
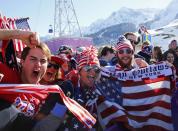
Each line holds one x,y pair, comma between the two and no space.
41,46
45,50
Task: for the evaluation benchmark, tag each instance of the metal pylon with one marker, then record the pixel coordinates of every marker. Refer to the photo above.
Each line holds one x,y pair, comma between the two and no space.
65,19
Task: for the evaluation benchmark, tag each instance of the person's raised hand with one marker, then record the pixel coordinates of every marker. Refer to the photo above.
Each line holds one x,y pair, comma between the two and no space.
31,39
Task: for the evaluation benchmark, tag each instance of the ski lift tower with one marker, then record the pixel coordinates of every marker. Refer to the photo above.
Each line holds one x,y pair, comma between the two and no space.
65,19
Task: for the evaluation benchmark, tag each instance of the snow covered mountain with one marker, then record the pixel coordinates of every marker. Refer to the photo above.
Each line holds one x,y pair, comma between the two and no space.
164,35
110,34
166,16
164,24
124,15
151,18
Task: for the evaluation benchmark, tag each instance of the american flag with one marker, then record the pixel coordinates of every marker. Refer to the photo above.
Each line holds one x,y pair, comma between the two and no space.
9,48
3,23
174,107
25,96
13,23
146,104
22,24
10,56
82,96
110,88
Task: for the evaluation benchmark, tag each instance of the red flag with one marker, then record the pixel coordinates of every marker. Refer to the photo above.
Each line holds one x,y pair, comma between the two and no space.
27,99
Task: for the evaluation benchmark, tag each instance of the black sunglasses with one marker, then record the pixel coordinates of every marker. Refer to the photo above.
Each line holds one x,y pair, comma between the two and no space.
88,68
133,42
53,65
126,51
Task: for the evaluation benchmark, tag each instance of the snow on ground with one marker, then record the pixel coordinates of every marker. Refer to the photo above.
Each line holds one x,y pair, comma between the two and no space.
163,36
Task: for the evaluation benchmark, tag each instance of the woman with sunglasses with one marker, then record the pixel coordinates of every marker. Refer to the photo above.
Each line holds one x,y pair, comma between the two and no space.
52,71
53,103
52,75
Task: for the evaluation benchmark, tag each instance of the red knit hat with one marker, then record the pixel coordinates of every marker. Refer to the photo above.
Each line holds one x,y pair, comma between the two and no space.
88,57
59,59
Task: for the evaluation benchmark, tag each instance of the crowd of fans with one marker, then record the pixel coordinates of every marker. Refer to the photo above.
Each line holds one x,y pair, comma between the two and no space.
77,73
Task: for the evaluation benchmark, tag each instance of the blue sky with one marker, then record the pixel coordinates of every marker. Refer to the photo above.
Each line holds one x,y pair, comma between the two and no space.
41,12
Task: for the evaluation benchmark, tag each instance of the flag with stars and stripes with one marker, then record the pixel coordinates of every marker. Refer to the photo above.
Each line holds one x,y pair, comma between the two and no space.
86,98
10,48
14,23
22,24
27,99
146,99
110,89
174,107
10,56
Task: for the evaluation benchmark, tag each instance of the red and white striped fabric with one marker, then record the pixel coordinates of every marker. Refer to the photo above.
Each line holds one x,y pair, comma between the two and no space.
27,99
123,43
146,105
14,23
87,57
18,44
3,23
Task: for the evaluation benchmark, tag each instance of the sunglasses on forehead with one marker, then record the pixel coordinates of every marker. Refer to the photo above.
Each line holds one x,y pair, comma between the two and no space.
125,51
88,68
133,42
55,66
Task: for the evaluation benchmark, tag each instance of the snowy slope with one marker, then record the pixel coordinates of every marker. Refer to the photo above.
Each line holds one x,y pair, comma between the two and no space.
167,15
124,15
165,34
150,17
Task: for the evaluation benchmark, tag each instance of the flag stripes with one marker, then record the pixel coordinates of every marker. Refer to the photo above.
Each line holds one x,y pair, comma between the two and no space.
14,23
146,105
39,93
